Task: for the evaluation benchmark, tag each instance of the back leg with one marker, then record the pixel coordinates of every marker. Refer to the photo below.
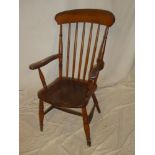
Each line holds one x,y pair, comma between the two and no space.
96,103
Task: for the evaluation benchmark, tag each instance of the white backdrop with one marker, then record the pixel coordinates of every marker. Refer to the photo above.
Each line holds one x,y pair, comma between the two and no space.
39,39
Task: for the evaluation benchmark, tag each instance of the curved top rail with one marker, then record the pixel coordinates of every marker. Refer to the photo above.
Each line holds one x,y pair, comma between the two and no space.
97,16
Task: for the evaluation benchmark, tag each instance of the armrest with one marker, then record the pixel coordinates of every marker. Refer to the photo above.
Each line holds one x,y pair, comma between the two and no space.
94,73
43,62
95,70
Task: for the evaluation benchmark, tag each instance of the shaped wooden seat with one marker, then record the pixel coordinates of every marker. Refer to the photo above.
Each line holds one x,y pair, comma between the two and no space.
75,89
67,92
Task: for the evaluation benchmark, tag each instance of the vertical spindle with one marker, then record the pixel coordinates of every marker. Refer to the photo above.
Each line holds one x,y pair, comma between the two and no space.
95,47
60,52
88,51
68,49
102,47
74,52
81,50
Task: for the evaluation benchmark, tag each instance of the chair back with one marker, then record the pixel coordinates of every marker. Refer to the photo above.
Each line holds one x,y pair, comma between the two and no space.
80,49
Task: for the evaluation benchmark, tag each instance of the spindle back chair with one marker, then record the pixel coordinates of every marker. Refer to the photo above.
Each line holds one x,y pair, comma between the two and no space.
70,90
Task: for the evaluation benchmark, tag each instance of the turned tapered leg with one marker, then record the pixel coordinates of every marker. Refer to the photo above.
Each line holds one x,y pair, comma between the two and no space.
96,103
41,114
86,125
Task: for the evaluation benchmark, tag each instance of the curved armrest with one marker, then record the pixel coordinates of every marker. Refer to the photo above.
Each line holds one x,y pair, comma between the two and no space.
95,70
44,62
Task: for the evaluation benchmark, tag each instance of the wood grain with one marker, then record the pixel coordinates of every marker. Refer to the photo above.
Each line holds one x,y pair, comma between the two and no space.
68,49
88,51
60,52
70,92
41,114
81,50
97,16
86,125
95,47
41,75
75,48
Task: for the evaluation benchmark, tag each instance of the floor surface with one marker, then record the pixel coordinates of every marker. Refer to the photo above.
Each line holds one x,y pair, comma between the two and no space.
112,131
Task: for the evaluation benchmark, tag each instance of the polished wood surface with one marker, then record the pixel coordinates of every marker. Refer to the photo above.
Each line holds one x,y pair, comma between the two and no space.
81,50
67,93
74,51
88,51
41,114
42,78
86,125
68,49
60,52
97,16
44,61
71,91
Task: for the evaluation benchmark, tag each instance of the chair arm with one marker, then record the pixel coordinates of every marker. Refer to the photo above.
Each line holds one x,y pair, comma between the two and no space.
95,70
94,73
44,61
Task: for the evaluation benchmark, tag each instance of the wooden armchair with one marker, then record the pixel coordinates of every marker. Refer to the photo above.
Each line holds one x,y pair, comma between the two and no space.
71,91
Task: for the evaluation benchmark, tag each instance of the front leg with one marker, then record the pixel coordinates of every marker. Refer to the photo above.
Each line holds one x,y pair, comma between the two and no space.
41,114
86,125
